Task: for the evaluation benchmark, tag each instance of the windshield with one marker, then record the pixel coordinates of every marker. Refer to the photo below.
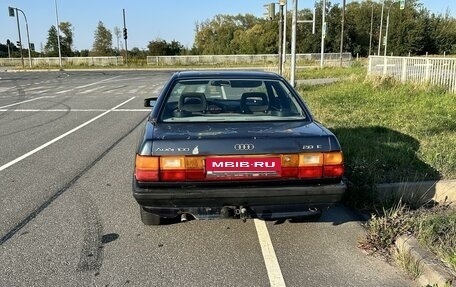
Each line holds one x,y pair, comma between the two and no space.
225,100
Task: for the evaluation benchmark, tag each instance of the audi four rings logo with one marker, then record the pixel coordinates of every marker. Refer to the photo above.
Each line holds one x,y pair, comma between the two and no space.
244,146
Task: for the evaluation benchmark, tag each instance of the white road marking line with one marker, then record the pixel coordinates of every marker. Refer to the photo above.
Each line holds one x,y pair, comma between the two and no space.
269,256
88,85
88,91
5,166
74,110
18,103
91,84
64,91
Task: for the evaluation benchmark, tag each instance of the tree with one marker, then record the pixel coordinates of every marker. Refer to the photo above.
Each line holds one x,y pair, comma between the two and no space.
102,45
227,34
51,48
66,42
160,47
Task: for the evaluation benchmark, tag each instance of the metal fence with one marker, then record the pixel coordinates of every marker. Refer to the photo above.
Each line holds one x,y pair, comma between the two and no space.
54,61
428,70
263,59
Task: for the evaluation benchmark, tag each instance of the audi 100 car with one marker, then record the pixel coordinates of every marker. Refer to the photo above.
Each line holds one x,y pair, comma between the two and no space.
234,144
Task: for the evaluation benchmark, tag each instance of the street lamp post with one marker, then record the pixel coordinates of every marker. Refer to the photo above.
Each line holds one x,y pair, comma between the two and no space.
381,26
293,43
28,37
11,13
58,34
323,34
387,26
370,34
284,41
342,32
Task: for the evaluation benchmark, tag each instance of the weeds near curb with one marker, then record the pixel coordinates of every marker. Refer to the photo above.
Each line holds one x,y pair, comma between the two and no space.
406,262
382,230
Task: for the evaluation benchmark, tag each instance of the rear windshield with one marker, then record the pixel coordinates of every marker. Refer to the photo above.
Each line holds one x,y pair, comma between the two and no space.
225,100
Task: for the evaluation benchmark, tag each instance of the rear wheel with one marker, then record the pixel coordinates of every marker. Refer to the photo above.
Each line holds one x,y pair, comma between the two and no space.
149,218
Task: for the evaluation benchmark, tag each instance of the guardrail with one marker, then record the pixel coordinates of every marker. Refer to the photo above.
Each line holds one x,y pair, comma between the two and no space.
435,71
261,59
54,61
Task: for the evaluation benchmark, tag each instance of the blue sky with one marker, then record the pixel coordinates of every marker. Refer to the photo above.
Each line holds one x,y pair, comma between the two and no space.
146,20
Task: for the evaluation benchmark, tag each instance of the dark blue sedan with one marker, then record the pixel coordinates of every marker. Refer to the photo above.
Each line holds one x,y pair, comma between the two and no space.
234,144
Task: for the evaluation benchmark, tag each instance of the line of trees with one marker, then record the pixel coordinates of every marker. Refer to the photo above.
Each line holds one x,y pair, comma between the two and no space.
412,31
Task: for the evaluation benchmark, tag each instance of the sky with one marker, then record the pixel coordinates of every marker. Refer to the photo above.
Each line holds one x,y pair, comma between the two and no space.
146,20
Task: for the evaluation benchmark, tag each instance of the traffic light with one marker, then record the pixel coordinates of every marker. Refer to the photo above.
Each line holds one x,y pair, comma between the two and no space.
11,11
125,33
8,42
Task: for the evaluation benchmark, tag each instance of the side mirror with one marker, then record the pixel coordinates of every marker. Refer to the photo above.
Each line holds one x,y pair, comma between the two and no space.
150,102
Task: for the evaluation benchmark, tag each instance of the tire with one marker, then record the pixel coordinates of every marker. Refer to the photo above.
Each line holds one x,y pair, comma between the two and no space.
149,218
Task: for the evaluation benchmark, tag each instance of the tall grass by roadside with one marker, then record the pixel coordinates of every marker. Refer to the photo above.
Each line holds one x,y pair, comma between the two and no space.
435,228
438,233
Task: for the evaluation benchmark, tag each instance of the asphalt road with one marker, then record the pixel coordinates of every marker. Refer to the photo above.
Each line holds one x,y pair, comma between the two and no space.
67,216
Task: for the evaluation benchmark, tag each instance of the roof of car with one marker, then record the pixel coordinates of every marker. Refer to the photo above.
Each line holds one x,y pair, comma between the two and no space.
226,73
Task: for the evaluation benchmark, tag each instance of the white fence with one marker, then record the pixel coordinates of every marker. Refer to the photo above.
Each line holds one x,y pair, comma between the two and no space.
428,70
262,59
54,61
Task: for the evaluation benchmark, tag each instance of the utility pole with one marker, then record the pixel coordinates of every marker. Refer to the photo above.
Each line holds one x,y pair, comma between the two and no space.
342,32
323,34
280,36
293,43
370,34
381,26
284,41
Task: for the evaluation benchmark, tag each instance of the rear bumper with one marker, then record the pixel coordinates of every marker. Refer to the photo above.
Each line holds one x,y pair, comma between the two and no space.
262,201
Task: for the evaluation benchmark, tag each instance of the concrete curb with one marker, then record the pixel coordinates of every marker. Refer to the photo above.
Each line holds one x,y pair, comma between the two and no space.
441,191
434,273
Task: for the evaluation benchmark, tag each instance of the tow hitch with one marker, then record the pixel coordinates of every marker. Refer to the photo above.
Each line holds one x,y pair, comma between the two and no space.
242,212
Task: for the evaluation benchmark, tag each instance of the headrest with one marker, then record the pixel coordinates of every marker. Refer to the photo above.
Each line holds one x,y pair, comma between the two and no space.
254,102
192,102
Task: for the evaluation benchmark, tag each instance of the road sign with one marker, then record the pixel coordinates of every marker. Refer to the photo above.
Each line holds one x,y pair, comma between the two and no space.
402,4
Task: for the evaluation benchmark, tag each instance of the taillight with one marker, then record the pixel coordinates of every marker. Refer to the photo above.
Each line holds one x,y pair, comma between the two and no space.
333,165
146,168
169,168
312,165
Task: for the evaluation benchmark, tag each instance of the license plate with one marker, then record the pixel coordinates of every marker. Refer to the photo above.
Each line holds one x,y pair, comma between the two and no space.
243,166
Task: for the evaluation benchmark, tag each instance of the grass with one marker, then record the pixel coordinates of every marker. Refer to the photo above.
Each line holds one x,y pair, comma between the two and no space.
389,132
435,228
330,72
407,263
438,233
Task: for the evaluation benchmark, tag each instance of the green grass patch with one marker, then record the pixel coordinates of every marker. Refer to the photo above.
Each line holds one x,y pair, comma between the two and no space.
389,132
330,72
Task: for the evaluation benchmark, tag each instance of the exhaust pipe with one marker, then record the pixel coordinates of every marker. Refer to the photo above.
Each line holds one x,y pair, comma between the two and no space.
184,217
